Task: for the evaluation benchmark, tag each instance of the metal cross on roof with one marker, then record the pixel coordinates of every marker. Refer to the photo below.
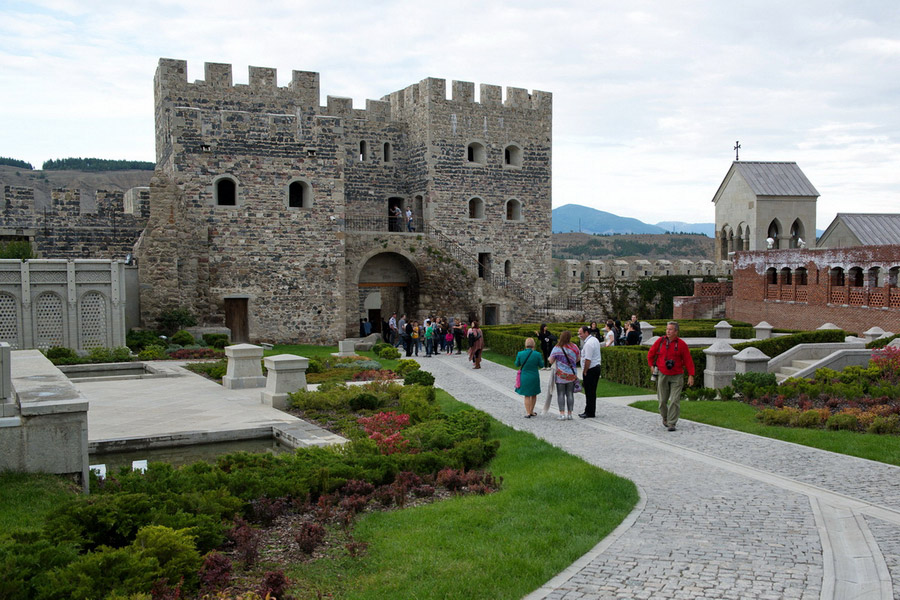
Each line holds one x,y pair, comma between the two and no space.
737,149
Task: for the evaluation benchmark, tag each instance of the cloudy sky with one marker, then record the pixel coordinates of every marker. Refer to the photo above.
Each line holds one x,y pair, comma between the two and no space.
649,97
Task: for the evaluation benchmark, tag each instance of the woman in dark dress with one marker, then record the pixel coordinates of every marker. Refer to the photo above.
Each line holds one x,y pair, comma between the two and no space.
547,341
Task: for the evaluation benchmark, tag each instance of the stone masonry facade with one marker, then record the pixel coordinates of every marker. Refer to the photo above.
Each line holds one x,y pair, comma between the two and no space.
64,229
264,201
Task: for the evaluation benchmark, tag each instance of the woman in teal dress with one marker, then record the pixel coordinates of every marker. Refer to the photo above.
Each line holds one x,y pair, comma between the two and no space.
530,363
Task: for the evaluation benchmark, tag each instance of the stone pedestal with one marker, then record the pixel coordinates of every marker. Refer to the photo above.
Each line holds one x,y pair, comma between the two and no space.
763,330
286,375
873,334
646,331
244,367
828,326
720,366
346,348
723,330
751,360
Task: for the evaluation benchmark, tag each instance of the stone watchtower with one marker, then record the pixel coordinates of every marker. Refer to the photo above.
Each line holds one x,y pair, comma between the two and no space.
275,216
761,200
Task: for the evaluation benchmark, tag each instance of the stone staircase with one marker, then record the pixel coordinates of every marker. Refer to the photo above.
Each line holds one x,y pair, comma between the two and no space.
788,371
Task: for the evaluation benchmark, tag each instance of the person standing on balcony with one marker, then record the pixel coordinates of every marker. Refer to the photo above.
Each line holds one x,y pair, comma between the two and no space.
396,218
409,220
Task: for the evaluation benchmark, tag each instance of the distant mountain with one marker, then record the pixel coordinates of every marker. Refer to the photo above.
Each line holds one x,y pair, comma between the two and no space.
707,229
577,218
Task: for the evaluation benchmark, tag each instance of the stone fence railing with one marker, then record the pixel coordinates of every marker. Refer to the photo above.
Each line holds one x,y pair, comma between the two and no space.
78,304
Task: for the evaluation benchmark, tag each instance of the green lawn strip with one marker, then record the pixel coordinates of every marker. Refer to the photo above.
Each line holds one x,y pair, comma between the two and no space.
742,417
552,508
26,499
605,388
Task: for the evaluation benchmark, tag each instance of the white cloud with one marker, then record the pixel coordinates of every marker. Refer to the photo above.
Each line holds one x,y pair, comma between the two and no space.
649,97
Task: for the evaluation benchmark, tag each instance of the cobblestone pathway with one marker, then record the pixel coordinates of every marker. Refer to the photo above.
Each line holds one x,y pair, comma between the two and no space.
722,514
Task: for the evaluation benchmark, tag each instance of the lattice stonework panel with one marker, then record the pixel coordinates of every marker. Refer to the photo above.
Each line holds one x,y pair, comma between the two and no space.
9,320
92,276
10,277
48,277
48,319
93,320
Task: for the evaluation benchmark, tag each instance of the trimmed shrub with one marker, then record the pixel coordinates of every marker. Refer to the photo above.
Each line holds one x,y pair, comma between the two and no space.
753,385
153,352
365,401
777,416
309,536
419,377
138,339
58,354
182,338
215,340
885,425
842,421
174,551
388,352
811,419
405,367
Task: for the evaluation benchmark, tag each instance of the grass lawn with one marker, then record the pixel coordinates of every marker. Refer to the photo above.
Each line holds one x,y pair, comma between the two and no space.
552,508
742,417
605,388
26,498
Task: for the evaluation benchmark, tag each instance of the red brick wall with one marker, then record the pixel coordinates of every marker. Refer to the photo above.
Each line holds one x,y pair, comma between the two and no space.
852,307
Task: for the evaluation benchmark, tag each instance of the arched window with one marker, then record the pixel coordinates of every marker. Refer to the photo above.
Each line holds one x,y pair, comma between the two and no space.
771,276
513,210
225,192
512,156
874,278
856,276
388,153
507,268
774,233
299,195
837,276
476,153
798,235
892,276
786,276
363,151
800,274
476,208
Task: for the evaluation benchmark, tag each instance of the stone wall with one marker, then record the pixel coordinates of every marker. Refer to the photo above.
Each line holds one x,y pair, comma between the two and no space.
74,223
298,266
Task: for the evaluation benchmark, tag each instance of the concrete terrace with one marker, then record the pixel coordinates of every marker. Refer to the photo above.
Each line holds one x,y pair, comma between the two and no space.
722,514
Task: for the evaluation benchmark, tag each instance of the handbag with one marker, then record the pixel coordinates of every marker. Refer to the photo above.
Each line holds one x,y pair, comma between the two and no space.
518,379
578,388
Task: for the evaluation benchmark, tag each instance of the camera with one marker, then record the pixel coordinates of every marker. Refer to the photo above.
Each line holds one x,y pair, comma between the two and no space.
670,364
653,373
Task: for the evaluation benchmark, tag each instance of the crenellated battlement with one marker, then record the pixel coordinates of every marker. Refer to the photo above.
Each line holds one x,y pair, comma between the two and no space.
263,93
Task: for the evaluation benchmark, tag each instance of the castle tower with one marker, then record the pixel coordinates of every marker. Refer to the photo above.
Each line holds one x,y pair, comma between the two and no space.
274,215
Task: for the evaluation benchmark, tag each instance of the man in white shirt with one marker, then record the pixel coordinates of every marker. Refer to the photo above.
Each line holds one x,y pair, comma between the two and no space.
590,359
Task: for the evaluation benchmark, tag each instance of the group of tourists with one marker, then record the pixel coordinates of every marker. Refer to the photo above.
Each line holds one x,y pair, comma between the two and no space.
669,357
433,336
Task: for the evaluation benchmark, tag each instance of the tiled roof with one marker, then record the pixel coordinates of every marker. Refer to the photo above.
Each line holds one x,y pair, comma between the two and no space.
873,229
775,178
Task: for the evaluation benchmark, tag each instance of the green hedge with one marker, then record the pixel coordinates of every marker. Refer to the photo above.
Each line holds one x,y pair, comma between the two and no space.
628,364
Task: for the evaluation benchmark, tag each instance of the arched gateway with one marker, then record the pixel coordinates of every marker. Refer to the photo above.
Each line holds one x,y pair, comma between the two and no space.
388,282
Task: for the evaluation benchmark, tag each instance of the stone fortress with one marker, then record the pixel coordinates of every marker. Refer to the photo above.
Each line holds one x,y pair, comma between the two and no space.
272,215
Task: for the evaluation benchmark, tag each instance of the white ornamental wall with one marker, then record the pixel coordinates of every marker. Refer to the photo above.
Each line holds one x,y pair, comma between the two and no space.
77,304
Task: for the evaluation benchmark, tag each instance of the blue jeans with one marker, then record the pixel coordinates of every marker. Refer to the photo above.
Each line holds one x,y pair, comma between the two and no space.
429,346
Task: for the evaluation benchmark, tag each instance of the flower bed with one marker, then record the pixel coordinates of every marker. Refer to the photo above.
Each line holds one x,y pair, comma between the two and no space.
864,399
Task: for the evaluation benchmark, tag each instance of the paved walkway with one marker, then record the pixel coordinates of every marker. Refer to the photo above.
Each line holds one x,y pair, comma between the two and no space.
722,514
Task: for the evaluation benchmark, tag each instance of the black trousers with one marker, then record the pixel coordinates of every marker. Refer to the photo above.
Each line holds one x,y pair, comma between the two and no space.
591,379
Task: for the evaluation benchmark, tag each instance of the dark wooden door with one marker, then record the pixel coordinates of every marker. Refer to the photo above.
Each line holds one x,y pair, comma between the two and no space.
236,320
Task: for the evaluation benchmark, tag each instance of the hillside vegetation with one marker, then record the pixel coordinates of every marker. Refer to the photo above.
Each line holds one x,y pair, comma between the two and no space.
584,246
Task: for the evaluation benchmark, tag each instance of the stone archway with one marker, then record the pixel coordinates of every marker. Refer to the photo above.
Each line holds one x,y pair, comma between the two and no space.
395,279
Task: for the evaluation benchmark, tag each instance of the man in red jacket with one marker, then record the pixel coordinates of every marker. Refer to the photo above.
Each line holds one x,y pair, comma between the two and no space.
671,356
